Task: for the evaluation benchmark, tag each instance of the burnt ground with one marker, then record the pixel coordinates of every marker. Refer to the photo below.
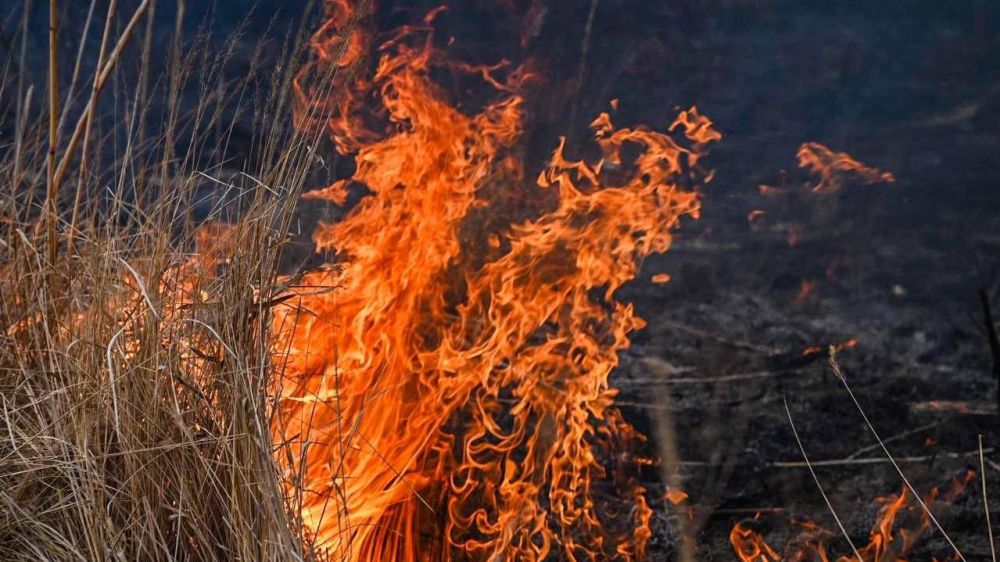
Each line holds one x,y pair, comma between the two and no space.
732,327
911,87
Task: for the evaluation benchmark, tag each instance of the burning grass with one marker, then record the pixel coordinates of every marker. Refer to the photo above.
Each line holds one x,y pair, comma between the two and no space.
137,387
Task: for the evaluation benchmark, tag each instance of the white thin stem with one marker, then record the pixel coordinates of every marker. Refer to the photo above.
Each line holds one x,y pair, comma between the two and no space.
986,503
829,505
840,375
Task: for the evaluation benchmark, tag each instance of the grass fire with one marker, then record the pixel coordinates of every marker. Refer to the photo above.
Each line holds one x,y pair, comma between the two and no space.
391,280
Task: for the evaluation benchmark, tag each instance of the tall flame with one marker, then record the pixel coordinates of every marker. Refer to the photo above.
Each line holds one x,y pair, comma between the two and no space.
447,394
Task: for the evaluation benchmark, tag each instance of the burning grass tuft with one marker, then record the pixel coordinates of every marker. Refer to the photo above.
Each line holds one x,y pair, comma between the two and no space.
136,385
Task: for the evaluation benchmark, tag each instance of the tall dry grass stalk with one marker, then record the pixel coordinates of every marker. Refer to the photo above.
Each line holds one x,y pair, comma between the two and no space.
136,378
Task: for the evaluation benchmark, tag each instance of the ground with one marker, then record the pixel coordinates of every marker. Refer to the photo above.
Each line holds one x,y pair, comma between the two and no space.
894,266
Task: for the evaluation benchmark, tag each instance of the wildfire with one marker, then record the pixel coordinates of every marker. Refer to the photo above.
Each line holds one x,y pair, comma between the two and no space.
447,393
899,524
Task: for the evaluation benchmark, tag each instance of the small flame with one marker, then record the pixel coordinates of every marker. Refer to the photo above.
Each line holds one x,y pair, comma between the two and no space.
675,496
832,167
900,523
807,290
794,235
835,348
660,278
770,191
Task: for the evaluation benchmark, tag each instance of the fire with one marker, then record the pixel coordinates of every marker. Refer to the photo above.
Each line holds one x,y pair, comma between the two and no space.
446,382
675,496
835,348
660,278
749,545
832,167
900,522
807,291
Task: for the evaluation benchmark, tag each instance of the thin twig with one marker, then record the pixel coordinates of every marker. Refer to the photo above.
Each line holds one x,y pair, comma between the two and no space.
854,461
103,76
90,111
52,185
173,91
715,337
877,460
111,378
22,108
74,80
142,289
735,377
896,437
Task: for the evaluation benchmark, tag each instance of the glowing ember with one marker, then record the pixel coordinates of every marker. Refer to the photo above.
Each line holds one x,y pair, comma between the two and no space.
447,393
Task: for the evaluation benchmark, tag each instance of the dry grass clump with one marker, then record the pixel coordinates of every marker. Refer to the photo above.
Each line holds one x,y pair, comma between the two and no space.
136,376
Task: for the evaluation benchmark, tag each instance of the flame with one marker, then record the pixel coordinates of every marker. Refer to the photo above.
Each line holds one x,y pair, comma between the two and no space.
660,278
446,387
794,235
675,496
888,540
750,546
807,291
832,167
833,348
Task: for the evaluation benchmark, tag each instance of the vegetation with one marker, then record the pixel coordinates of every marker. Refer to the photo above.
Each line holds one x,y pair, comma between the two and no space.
136,379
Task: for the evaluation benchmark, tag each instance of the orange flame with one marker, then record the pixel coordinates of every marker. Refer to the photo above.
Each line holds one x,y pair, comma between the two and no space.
660,278
675,496
832,167
887,540
750,546
835,348
448,396
807,291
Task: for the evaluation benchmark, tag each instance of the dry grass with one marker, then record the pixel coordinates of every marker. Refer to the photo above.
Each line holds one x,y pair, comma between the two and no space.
136,380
